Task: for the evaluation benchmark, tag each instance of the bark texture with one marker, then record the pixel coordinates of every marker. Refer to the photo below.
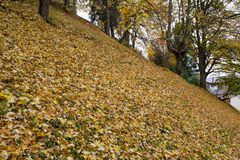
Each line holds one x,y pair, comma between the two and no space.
44,8
107,22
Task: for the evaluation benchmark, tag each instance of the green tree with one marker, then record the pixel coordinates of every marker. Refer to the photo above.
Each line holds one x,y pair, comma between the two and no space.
211,20
230,64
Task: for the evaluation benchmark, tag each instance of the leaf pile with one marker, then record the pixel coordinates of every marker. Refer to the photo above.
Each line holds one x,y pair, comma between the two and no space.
67,91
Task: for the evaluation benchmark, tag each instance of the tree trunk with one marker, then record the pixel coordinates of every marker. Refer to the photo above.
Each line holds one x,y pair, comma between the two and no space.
179,64
44,8
75,6
112,31
107,21
170,46
170,17
203,78
134,38
202,68
66,4
125,38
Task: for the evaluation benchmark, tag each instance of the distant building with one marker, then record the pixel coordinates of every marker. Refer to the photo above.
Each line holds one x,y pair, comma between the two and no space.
220,92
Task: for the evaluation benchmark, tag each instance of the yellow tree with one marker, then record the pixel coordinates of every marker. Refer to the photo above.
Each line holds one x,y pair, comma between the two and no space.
133,15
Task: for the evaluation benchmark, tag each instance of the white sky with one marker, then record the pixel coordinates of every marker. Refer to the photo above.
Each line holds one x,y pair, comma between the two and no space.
83,14
235,102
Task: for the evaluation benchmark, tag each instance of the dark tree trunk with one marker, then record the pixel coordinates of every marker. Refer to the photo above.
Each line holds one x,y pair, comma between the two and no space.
75,6
107,21
112,31
179,64
202,78
170,17
125,38
170,47
181,48
66,4
202,67
44,8
133,43
134,38
202,55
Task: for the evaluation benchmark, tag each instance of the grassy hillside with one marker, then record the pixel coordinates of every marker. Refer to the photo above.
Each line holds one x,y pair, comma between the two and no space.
67,91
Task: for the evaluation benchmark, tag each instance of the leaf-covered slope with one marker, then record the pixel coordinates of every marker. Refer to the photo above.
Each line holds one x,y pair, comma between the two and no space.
70,92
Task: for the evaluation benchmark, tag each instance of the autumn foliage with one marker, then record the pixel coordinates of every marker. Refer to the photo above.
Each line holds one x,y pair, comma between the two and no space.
68,91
